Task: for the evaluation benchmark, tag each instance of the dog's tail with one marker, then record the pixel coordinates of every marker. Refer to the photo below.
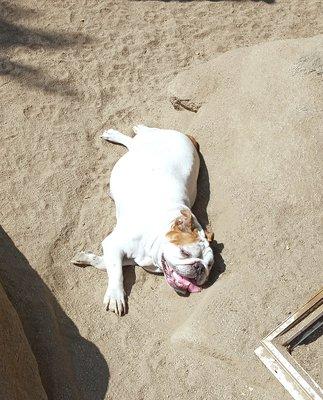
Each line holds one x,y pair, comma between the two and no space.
140,129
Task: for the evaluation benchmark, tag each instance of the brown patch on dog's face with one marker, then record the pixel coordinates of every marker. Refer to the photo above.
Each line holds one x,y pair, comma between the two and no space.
182,231
181,238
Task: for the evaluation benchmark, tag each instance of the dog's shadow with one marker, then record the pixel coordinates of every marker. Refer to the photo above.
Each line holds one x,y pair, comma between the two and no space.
200,211
219,264
129,278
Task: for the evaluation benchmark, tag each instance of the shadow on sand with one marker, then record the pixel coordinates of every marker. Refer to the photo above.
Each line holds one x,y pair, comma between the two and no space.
200,211
70,366
15,36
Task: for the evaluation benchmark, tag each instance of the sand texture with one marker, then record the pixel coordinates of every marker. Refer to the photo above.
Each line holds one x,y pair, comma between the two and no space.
70,69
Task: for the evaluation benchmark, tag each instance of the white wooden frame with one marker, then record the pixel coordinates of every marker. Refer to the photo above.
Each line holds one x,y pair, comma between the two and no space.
275,348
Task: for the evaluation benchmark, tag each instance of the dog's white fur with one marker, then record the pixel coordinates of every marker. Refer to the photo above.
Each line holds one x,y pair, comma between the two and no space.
151,185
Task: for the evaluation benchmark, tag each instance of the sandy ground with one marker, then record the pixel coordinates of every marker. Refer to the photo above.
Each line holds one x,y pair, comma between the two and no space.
310,355
67,71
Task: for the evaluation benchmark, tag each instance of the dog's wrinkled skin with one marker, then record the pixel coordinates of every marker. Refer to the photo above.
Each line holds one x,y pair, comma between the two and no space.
154,186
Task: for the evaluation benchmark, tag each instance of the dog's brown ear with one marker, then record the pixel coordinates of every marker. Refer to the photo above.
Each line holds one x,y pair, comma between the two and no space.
209,233
185,222
183,231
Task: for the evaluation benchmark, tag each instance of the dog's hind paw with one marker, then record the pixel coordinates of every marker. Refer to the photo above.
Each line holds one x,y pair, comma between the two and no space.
110,134
83,259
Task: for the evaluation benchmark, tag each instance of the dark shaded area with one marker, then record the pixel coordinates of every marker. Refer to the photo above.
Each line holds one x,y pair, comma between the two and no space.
315,335
318,332
36,78
219,264
13,35
70,366
200,211
203,194
129,279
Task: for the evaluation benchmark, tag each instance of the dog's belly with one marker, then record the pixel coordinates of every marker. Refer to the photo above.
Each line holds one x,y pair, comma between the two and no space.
158,172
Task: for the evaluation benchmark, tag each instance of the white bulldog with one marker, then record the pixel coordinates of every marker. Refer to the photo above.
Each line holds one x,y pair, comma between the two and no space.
154,186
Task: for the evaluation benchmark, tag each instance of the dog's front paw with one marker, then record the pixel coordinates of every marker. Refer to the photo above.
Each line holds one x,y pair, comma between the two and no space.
114,300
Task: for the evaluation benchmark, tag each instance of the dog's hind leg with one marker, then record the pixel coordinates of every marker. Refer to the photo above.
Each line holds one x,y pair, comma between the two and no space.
111,135
86,258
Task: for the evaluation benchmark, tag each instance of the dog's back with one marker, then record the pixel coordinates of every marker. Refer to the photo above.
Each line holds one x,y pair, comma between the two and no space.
160,170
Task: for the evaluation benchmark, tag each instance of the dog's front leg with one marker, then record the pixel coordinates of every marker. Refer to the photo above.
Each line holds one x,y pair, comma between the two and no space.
114,298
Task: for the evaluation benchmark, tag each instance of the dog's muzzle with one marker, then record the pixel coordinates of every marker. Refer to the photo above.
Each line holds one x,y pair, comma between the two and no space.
183,278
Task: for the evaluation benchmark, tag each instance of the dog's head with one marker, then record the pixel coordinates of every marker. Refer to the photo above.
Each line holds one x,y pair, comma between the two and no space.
186,257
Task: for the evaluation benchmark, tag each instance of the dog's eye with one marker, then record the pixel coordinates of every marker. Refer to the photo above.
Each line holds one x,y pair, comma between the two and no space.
185,253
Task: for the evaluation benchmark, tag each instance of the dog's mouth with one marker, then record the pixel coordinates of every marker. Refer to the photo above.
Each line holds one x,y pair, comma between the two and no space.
180,283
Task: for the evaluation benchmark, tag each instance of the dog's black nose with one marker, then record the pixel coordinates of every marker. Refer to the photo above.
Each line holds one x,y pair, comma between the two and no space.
199,268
